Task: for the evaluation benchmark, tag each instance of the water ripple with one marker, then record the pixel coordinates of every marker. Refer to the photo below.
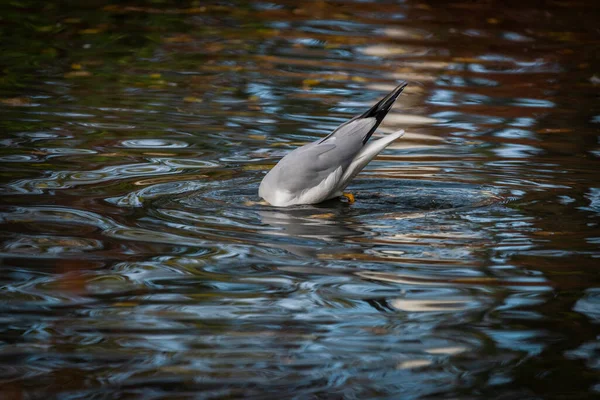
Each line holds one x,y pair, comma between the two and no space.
139,262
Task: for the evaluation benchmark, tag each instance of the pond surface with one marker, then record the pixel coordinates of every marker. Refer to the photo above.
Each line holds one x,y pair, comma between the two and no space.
137,261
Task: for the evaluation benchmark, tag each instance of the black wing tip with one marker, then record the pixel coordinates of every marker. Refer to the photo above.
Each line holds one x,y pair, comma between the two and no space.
381,109
383,106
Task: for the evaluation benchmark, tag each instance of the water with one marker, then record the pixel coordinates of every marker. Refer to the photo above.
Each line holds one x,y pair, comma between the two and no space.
137,263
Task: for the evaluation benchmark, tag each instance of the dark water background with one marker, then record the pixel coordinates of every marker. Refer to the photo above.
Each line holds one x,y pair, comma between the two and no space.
136,263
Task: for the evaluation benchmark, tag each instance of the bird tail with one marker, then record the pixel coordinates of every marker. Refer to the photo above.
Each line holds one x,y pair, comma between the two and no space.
366,154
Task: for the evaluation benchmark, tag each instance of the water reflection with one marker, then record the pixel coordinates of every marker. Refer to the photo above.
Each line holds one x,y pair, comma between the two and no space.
323,223
309,231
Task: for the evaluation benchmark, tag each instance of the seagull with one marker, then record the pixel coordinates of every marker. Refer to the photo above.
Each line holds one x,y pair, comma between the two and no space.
321,170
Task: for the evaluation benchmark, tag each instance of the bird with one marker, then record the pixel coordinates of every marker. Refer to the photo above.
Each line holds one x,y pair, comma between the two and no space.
321,170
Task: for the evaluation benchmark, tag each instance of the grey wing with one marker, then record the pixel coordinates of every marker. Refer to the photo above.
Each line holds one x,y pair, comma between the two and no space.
353,129
308,166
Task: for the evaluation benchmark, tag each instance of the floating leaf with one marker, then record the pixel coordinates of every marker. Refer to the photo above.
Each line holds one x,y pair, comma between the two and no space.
467,60
46,28
341,16
256,167
126,304
308,83
250,203
15,101
555,130
322,216
257,137
268,32
90,31
194,10
214,47
77,74
192,99
384,50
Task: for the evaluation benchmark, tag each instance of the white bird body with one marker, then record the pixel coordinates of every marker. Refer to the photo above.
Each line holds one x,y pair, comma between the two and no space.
321,170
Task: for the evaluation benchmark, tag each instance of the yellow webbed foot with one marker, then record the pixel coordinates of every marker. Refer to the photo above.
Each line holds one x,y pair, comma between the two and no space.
250,203
349,196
